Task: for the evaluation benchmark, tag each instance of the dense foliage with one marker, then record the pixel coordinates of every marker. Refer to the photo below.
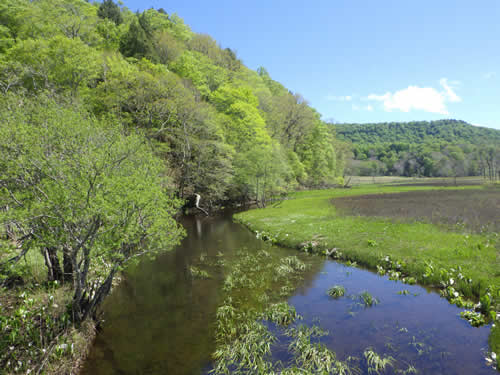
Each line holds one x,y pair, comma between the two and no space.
110,122
435,148
224,131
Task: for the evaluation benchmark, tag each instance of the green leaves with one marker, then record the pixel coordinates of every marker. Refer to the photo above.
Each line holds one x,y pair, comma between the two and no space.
79,184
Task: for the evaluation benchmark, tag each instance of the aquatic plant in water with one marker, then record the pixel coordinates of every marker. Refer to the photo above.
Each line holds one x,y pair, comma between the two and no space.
281,313
368,300
336,291
377,364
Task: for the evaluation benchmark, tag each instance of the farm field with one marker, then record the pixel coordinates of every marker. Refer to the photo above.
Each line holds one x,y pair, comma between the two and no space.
414,181
475,210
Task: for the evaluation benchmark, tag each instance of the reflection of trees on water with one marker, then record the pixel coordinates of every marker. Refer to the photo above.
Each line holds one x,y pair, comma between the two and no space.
159,319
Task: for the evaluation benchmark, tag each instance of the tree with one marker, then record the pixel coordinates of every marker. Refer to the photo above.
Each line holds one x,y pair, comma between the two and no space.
167,47
136,42
261,172
58,63
82,192
290,120
108,9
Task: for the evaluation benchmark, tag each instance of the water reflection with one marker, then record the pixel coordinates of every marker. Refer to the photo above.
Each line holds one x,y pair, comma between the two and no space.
160,320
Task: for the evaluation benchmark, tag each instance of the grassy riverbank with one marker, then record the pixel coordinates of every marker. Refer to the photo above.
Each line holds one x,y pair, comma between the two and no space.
462,262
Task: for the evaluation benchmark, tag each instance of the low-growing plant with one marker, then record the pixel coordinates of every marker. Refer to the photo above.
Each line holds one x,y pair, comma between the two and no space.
376,363
368,300
410,280
474,318
349,263
197,273
336,291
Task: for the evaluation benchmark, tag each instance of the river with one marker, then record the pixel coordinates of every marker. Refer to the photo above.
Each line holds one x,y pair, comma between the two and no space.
160,320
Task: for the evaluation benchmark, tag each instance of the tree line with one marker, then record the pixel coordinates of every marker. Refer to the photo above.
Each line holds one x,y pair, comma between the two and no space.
442,148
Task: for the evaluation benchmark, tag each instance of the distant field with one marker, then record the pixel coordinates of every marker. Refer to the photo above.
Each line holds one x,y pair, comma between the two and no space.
310,217
414,181
477,209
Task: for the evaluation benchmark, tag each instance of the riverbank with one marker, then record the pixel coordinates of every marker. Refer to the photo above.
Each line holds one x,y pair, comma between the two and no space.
463,264
36,335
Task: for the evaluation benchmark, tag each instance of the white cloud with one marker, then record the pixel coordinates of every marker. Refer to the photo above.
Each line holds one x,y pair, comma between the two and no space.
420,98
333,98
380,98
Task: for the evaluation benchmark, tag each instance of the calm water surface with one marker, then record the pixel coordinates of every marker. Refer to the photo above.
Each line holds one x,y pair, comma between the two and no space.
161,321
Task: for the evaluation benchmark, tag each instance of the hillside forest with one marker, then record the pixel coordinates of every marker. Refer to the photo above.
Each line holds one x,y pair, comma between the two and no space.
443,148
111,123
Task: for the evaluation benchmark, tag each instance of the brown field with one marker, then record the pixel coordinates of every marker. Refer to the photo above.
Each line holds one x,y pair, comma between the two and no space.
415,181
478,209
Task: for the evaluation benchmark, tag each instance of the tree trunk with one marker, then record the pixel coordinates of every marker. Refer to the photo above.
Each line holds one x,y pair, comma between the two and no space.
68,266
54,272
90,308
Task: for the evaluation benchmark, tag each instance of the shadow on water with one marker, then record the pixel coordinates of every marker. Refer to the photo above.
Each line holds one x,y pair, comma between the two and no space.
160,319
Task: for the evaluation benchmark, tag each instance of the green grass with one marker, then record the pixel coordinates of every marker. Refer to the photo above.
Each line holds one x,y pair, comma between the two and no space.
431,254
310,218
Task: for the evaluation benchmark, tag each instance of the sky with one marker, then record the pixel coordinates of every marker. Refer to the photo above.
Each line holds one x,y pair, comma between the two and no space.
365,61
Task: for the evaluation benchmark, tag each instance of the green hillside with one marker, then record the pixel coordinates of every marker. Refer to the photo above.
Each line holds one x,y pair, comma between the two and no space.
452,131
112,122
422,148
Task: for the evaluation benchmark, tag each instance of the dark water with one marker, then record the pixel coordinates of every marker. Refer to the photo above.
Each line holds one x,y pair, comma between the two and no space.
161,321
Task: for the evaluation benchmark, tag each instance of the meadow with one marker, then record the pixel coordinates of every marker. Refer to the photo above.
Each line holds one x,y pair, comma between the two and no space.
443,237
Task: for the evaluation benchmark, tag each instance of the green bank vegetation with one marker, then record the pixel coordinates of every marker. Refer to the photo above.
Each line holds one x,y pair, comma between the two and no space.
463,264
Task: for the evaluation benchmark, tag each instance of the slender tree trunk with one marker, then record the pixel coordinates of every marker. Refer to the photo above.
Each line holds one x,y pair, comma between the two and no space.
67,266
54,272
90,309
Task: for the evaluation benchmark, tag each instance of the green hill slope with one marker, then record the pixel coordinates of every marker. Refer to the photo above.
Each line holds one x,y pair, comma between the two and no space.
422,148
452,131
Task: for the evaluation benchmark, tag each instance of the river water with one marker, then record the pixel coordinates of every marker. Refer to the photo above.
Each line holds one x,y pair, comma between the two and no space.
160,320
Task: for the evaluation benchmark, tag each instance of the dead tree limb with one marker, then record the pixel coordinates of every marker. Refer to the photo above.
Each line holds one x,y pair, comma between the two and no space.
197,204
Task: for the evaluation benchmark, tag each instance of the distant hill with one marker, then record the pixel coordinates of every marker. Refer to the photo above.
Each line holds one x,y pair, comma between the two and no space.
421,148
418,132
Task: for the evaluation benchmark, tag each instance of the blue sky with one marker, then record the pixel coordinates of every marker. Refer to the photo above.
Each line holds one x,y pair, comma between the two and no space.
365,61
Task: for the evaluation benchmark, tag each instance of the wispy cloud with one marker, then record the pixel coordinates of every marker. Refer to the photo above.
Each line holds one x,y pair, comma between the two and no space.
449,93
333,98
356,107
419,98
489,75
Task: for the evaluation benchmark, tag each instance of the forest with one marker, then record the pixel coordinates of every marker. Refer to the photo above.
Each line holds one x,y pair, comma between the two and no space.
442,148
111,123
